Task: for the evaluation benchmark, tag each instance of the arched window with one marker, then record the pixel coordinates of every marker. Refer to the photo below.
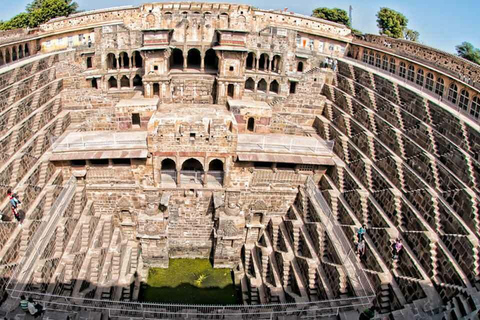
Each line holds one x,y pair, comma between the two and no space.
464,100
300,66
378,60
2,60
365,56
231,90
194,59
429,82
27,51
176,59
274,86
124,82
111,61
215,172
211,60
403,70
475,108
251,61
14,54
453,93
89,63
251,124
112,83
250,84
371,58
440,87
393,66
192,171
215,165
262,86
420,77
385,63
20,51
137,81
411,73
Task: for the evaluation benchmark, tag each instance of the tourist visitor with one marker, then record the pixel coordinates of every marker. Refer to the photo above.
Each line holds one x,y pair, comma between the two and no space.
397,248
23,303
361,247
35,309
361,232
14,202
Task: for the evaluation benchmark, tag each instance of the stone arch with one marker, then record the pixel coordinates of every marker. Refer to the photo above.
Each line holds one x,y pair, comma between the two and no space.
124,60
2,60
264,61
137,81
262,85
393,65
124,82
464,100
27,50
274,87
194,59
192,164
168,164
420,77
250,84
112,83
385,62
430,79
211,60
20,52
216,165
300,66
251,61
176,59
111,61
440,86
411,72
14,54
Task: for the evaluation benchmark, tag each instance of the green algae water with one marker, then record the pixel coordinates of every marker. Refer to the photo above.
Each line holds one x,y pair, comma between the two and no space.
189,281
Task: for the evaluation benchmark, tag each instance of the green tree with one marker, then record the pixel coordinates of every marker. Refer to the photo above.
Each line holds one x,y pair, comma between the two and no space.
391,23
334,15
411,35
40,11
467,51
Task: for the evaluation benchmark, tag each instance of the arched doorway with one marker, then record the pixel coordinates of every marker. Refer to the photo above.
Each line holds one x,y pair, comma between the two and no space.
14,54
211,60
262,86
112,83
27,50
111,61
176,59
231,90
251,61
263,64
124,82
215,173
250,84
168,171
194,59
137,81
7,56
274,86
192,172
251,124
20,52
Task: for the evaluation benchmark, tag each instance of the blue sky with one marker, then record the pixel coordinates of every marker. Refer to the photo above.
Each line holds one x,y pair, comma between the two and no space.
442,24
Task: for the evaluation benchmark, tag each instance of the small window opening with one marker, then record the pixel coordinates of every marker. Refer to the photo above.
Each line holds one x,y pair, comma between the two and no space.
78,163
293,87
135,119
251,124
121,162
155,68
192,135
232,68
99,162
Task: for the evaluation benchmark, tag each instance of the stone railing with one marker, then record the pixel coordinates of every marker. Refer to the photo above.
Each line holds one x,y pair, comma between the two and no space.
449,63
261,177
16,34
110,175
